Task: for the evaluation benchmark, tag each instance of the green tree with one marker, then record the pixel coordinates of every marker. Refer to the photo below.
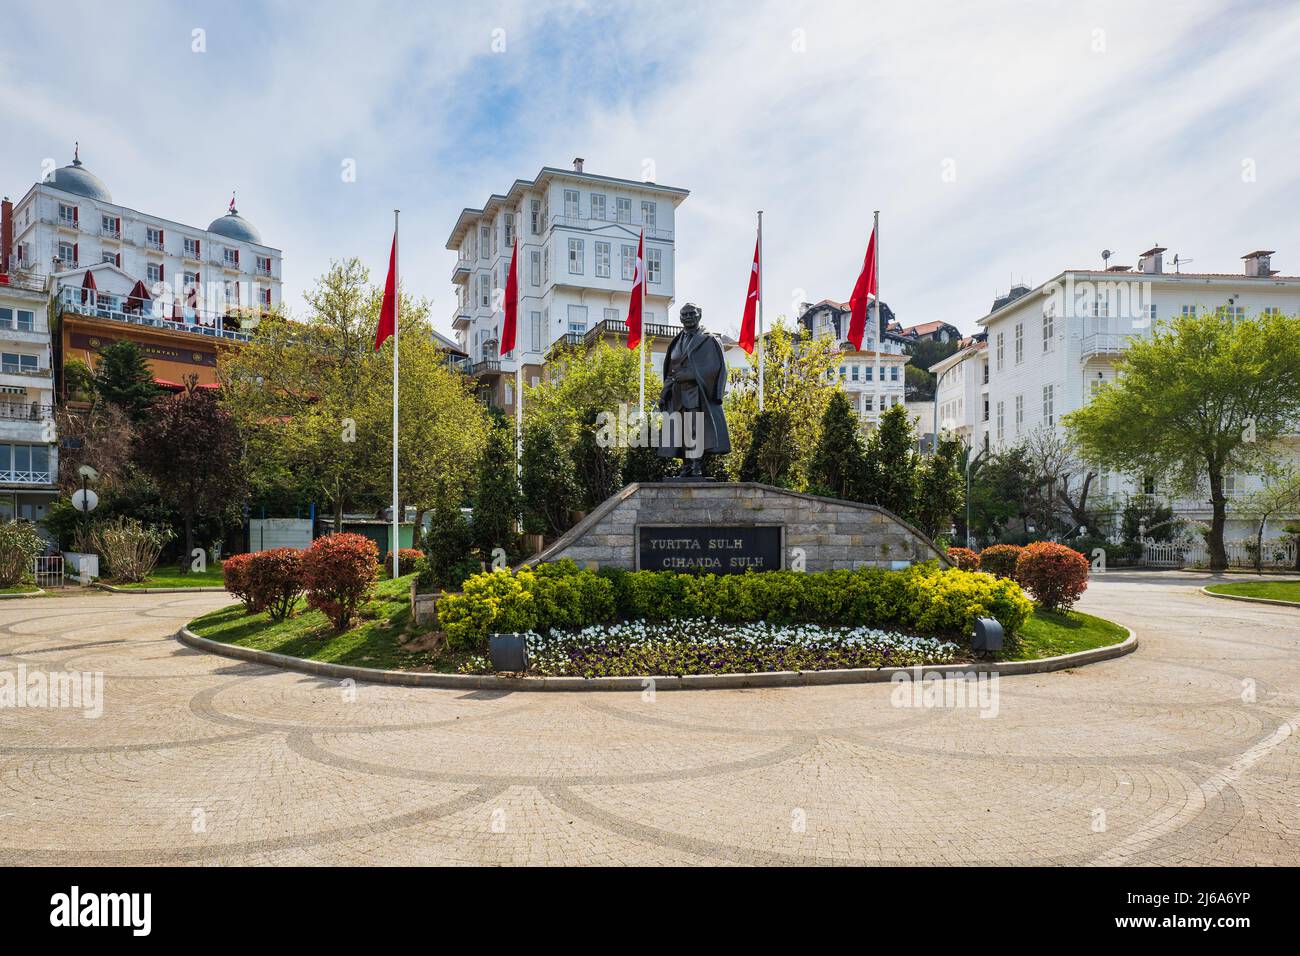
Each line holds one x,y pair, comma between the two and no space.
596,468
496,497
920,381
1001,490
644,465
839,462
1145,517
1279,494
549,490
891,464
124,378
770,455
1200,398
940,488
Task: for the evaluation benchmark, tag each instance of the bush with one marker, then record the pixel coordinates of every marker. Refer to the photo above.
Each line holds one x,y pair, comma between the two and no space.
20,543
1055,575
406,561
923,598
964,558
1000,559
338,572
234,575
275,581
447,562
129,548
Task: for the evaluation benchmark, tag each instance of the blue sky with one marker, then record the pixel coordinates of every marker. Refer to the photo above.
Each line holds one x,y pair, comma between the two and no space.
1070,127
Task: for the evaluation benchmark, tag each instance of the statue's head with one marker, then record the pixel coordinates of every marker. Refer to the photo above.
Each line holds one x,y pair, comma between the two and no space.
690,316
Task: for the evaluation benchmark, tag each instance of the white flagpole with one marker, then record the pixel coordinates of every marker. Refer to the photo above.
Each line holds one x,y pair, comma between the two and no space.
761,268
641,343
880,317
397,314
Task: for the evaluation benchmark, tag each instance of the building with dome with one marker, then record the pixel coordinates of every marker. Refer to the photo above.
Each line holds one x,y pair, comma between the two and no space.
181,292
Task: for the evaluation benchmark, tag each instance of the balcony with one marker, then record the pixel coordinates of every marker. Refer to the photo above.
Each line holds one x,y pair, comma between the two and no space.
184,319
485,367
460,317
461,270
28,281
1103,343
25,411
588,224
110,232
25,477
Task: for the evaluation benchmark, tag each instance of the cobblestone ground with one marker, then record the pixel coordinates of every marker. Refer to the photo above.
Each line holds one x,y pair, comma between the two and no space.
1161,757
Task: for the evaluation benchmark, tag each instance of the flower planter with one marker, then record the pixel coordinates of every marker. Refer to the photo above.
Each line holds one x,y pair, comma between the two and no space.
509,652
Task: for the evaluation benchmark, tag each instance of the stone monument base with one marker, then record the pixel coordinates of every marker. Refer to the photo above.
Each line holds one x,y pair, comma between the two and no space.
731,527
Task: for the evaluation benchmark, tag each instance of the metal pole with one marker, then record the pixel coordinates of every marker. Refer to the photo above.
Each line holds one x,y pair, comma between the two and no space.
397,326
641,344
880,317
762,386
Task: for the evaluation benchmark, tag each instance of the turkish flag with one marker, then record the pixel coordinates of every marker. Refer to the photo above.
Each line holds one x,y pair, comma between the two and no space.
508,331
751,305
638,293
388,311
866,285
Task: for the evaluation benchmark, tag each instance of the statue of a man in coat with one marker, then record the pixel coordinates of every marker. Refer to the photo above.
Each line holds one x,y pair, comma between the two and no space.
695,379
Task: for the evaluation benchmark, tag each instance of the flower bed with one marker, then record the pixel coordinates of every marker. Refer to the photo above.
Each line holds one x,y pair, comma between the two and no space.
711,647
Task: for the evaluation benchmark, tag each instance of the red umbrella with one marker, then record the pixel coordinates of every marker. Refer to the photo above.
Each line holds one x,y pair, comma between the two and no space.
87,286
137,297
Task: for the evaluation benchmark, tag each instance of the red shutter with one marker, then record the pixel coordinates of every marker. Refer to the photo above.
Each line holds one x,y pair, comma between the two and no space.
75,257
119,225
76,214
117,260
162,274
198,249
162,238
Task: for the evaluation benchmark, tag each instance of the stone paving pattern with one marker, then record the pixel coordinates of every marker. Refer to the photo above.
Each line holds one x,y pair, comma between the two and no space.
1162,757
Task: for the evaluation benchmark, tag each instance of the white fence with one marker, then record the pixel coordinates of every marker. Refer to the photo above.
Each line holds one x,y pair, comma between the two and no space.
267,533
1241,554
48,571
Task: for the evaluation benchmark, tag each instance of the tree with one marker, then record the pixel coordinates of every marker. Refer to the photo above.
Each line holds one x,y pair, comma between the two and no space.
1201,398
939,488
838,466
102,437
190,445
891,464
644,465
496,497
770,454
919,380
797,383
1062,482
549,491
1000,495
124,378
1145,517
1280,494
596,468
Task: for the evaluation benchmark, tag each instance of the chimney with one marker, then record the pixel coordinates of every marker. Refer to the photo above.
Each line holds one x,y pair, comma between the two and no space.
6,233
577,164
1152,261
1258,263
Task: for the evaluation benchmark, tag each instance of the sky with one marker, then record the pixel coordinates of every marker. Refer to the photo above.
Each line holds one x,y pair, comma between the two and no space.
1000,141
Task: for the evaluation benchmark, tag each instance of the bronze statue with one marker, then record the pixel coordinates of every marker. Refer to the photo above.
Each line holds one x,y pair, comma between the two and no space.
695,379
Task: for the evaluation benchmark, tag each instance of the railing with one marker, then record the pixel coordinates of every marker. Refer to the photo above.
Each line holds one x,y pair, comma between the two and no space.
104,306
25,411
68,222
587,223
485,366
154,244
48,571
111,232
31,281
1241,554
619,327
36,372
25,477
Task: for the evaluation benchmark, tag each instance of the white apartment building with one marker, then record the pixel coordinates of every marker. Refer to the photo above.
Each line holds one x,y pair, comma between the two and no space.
1050,348
856,369
69,222
578,236
29,453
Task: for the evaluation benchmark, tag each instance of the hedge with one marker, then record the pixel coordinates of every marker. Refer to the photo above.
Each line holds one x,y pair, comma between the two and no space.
964,558
1055,575
338,573
924,599
1000,559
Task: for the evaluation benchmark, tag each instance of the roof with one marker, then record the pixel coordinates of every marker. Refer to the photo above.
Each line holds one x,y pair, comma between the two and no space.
926,328
234,226
76,179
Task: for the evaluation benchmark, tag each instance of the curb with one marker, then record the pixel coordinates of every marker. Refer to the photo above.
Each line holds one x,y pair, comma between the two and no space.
1253,600
873,675
113,590
23,594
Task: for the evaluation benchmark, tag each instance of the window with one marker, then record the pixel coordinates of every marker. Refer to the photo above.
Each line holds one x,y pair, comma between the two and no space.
154,272
25,463
230,257
611,315
602,260
535,266
578,318
893,373
597,205
1268,310
869,373
535,329
153,237
1148,485
571,204
110,257
1020,342
264,265
484,242
67,215
1048,412
484,290
1149,313
654,266
1001,349
623,209
648,213
1100,306
535,215
26,320
999,421
266,297
1235,312
191,248
510,228
108,226
1020,412
14,362
546,264
68,253
629,262
1189,311
853,372
577,257
1048,323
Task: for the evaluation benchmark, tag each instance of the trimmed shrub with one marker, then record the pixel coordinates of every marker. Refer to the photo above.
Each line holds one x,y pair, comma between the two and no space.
338,572
20,543
275,581
407,559
923,598
1000,559
964,558
234,575
129,548
1055,575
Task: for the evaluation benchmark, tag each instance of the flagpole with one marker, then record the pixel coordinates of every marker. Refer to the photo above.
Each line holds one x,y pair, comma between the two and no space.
641,343
397,313
880,318
761,349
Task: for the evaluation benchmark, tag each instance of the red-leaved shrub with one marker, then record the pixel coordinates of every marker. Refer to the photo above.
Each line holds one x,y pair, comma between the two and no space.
275,580
1000,559
1055,575
406,558
964,558
234,575
339,571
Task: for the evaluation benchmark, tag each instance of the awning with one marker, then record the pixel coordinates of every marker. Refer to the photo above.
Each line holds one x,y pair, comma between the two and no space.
137,297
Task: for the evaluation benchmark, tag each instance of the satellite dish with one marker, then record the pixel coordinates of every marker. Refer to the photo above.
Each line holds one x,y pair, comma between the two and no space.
90,474
1105,256
85,500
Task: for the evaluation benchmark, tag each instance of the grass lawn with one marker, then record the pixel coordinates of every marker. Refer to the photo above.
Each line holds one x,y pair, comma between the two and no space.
169,577
384,621
1273,590
20,589
1049,634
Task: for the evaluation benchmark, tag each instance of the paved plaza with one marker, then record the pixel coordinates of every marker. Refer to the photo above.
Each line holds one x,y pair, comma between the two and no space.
1185,752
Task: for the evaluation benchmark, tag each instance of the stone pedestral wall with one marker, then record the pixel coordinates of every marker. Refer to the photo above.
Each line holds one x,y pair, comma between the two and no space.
831,532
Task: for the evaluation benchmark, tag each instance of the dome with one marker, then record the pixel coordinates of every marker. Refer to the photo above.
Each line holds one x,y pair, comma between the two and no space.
76,179
234,226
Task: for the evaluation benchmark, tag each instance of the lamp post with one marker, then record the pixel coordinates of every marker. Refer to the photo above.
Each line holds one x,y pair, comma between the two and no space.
970,465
